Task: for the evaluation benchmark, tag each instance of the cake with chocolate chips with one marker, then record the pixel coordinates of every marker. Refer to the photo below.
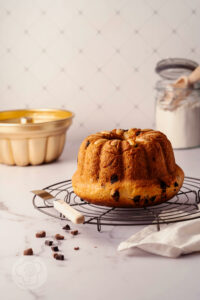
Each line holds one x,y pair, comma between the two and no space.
127,168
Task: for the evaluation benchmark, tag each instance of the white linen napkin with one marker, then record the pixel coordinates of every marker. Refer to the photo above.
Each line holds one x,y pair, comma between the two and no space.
172,240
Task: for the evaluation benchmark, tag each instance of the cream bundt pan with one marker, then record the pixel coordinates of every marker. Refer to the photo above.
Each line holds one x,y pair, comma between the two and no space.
33,136
127,168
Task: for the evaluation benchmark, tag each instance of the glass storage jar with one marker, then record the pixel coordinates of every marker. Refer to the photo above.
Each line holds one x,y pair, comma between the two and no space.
177,112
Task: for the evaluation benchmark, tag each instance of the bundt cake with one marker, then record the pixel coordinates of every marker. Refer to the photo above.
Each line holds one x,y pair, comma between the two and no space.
127,168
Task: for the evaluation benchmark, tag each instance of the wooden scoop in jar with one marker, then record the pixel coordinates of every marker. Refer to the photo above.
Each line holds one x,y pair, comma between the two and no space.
60,205
180,89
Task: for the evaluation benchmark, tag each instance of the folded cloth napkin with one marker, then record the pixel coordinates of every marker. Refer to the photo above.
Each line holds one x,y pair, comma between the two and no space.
172,240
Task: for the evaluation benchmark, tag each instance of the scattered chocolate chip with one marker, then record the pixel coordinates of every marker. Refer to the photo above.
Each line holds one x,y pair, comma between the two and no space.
175,184
136,199
153,198
55,248
87,144
146,201
125,130
74,232
59,237
48,243
28,251
76,248
116,195
138,132
66,227
82,199
40,234
58,256
113,178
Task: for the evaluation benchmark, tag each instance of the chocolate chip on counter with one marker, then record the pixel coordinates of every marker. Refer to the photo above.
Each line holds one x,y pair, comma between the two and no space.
115,195
136,199
55,248
113,178
76,248
59,237
175,184
40,234
153,198
74,232
58,256
28,251
66,227
48,243
87,144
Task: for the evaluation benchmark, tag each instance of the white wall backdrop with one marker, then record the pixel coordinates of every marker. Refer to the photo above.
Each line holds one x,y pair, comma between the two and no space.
94,57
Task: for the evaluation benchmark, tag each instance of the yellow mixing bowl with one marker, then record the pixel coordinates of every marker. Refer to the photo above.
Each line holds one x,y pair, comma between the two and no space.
32,136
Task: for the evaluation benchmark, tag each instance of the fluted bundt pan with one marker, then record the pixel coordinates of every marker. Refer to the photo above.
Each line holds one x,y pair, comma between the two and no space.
32,137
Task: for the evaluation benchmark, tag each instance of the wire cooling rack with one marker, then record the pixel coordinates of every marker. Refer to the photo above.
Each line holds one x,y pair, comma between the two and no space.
182,207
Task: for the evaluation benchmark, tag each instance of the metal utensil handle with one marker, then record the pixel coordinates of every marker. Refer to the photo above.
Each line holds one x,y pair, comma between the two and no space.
69,212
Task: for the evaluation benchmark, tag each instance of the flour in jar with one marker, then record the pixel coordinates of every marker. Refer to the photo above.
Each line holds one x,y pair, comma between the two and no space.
181,124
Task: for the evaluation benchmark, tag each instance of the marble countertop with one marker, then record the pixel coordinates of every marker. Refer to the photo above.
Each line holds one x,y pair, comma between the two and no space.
96,271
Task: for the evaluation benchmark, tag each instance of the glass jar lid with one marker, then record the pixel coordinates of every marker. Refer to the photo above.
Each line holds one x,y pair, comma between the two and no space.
172,68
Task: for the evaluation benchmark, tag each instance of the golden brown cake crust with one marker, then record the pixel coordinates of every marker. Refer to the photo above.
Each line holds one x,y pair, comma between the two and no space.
127,168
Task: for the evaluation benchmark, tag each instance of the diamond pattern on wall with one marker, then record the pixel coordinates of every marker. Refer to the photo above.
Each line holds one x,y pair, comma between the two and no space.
96,58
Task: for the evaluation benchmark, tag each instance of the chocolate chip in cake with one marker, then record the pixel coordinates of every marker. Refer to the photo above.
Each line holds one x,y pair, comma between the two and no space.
58,256
66,227
74,232
76,248
175,184
136,199
40,234
146,201
115,195
59,237
153,158
138,132
87,144
48,243
163,196
55,248
28,251
136,145
113,178
153,198
163,185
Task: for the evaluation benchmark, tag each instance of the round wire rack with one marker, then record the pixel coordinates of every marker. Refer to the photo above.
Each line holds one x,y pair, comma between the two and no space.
182,207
